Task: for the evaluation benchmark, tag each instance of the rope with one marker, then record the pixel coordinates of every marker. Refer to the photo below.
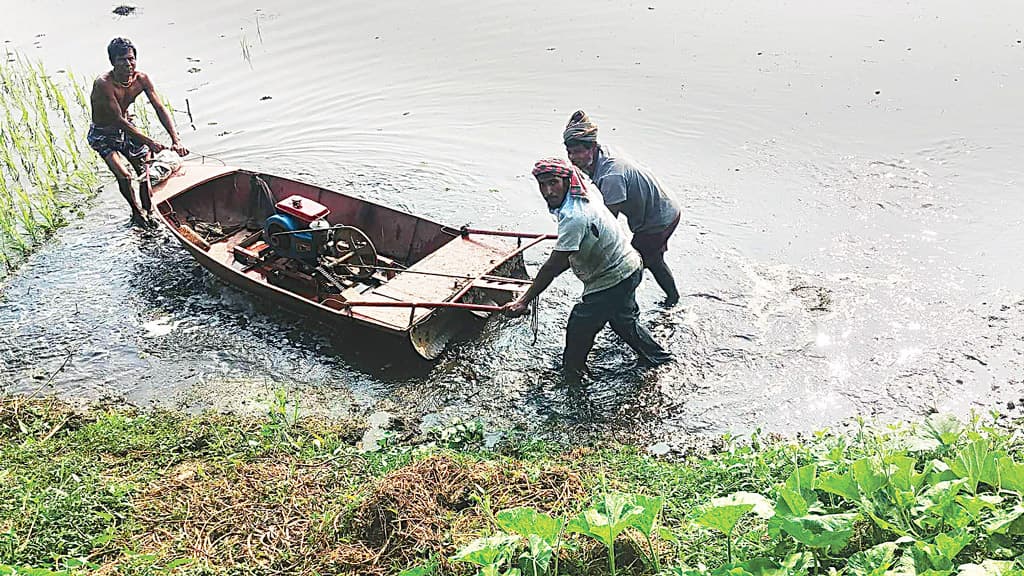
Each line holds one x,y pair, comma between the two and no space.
535,318
205,156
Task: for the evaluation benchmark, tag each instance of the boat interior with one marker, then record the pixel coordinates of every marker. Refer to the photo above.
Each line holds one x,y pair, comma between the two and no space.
367,252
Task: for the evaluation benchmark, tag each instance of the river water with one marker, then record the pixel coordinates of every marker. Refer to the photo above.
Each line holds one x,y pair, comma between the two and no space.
850,175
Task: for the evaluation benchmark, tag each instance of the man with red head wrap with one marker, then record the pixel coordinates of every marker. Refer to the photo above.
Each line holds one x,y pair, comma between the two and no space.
590,242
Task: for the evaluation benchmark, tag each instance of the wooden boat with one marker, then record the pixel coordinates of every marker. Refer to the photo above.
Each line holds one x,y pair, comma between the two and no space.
379,268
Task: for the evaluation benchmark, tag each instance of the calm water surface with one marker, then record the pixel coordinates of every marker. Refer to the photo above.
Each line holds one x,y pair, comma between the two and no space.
850,175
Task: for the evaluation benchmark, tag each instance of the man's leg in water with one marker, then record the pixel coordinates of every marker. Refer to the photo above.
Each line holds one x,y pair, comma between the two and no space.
145,199
625,322
587,318
117,165
655,262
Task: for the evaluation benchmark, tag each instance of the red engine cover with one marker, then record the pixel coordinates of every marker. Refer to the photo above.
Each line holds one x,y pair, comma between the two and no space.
302,208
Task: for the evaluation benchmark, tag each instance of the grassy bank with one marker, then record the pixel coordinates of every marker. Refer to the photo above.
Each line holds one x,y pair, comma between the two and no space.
46,168
127,492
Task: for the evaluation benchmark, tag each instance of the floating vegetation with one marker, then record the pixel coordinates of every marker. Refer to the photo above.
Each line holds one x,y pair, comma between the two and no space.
46,168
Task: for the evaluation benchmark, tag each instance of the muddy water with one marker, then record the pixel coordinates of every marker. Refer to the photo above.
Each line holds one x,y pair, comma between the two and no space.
850,176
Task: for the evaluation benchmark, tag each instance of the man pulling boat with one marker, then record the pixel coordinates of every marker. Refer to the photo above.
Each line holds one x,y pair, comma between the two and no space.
590,242
113,135
629,189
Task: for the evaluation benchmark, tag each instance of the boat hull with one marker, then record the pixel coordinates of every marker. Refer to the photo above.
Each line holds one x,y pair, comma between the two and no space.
426,263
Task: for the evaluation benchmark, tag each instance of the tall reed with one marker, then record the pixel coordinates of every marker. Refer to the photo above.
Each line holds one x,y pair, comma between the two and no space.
45,168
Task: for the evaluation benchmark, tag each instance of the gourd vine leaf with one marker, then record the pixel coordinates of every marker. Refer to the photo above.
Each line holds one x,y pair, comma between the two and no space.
722,514
487,551
526,521
831,531
1011,475
874,561
1007,521
990,568
615,512
976,463
651,506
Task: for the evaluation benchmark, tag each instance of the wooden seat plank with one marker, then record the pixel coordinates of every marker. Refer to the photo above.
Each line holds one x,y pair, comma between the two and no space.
462,256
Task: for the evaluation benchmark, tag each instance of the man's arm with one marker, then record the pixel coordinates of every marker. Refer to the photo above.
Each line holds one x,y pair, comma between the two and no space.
615,209
556,263
163,115
111,109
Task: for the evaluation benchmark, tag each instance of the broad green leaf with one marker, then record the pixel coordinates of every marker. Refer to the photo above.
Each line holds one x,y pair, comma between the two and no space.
526,521
818,531
975,463
1011,475
940,472
988,568
873,561
1007,521
605,524
764,567
902,474
791,503
870,475
801,481
723,513
651,506
539,555
723,518
950,544
839,484
799,562
975,504
944,427
487,551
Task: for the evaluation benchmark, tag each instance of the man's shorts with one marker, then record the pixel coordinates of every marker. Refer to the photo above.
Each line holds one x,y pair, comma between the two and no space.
655,243
107,139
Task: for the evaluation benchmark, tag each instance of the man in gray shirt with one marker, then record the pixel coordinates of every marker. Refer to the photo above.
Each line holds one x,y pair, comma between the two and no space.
590,242
630,189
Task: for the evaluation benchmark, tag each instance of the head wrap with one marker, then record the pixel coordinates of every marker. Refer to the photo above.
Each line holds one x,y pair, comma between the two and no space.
580,129
578,183
119,46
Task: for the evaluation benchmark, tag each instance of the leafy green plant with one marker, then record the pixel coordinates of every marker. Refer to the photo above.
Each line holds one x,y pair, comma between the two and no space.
541,532
723,513
493,554
612,513
646,522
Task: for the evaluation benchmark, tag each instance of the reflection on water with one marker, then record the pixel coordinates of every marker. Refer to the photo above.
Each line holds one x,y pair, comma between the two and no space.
849,175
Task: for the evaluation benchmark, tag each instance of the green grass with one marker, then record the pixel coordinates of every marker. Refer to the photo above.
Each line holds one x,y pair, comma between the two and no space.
132,492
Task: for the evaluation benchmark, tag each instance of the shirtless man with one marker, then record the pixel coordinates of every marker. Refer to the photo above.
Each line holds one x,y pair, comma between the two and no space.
112,133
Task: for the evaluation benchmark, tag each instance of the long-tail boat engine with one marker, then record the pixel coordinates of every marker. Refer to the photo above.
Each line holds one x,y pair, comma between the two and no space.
337,254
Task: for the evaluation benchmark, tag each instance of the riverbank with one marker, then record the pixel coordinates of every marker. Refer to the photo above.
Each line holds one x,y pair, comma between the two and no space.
114,490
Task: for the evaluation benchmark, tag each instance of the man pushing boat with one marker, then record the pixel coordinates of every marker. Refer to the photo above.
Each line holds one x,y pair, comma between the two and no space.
113,135
591,242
